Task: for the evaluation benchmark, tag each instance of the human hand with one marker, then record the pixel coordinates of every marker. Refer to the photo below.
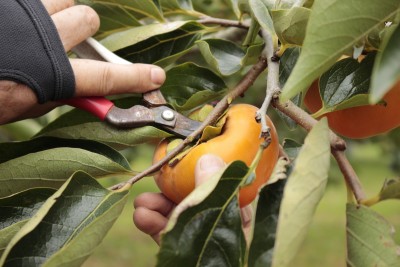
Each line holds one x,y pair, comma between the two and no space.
93,78
152,210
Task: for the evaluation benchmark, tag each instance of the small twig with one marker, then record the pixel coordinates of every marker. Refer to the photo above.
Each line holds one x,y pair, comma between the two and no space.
338,145
348,172
223,22
219,109
273,86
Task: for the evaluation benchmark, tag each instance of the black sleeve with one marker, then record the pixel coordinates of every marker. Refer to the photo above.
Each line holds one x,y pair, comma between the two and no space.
31,51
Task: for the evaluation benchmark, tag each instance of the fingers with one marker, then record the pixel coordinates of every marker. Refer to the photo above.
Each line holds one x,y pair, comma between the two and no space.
206,166
151,213
54,6
150,222
75,24
154,201
95,78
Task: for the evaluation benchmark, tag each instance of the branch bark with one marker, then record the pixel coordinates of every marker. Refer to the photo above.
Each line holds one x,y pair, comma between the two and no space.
273,86
338,145
223,22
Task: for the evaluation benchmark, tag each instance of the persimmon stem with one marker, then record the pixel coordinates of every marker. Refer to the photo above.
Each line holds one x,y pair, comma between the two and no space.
338,145
212,118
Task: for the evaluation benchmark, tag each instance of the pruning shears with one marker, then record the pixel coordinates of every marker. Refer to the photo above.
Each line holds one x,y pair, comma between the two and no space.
154,111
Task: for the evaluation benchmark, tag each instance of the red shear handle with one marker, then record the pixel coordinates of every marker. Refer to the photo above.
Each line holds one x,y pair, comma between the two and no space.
98,106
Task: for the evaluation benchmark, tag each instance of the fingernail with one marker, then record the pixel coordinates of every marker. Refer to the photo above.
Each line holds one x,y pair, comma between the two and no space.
157,75
211,163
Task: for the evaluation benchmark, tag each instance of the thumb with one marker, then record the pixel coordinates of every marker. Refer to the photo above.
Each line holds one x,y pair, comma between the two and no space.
206,166
95,78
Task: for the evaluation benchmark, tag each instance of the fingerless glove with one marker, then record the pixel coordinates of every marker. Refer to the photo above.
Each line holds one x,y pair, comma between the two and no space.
31,51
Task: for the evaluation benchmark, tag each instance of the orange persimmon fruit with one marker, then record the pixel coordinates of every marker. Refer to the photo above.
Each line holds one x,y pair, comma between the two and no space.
239,140
362,121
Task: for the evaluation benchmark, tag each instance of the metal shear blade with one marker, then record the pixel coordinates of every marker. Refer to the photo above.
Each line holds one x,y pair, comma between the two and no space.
162,116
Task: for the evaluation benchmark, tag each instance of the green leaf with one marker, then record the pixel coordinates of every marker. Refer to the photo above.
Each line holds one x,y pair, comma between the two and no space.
20,130
225,57
390,190
287,4
102,132
17,209
173,5
374,39
79,124
188,86
52,167
266,221
386,72
154,43
292,148
260,11
113,16
68,226
206,228
369,239
334,27
234,5
346,84
290,25
117,15
13,150
304,189
286,65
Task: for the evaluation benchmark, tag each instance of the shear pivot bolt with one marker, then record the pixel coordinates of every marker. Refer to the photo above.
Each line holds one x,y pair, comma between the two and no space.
168,115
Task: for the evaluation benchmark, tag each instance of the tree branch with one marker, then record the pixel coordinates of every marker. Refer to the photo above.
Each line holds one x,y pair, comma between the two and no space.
273,86
223,22
338,145
219,109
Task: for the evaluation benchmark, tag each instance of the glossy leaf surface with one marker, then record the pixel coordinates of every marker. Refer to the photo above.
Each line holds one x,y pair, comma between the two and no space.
346,84
49,161
70,215
17,209
209,232
225,57
265,225
188,86
155,43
